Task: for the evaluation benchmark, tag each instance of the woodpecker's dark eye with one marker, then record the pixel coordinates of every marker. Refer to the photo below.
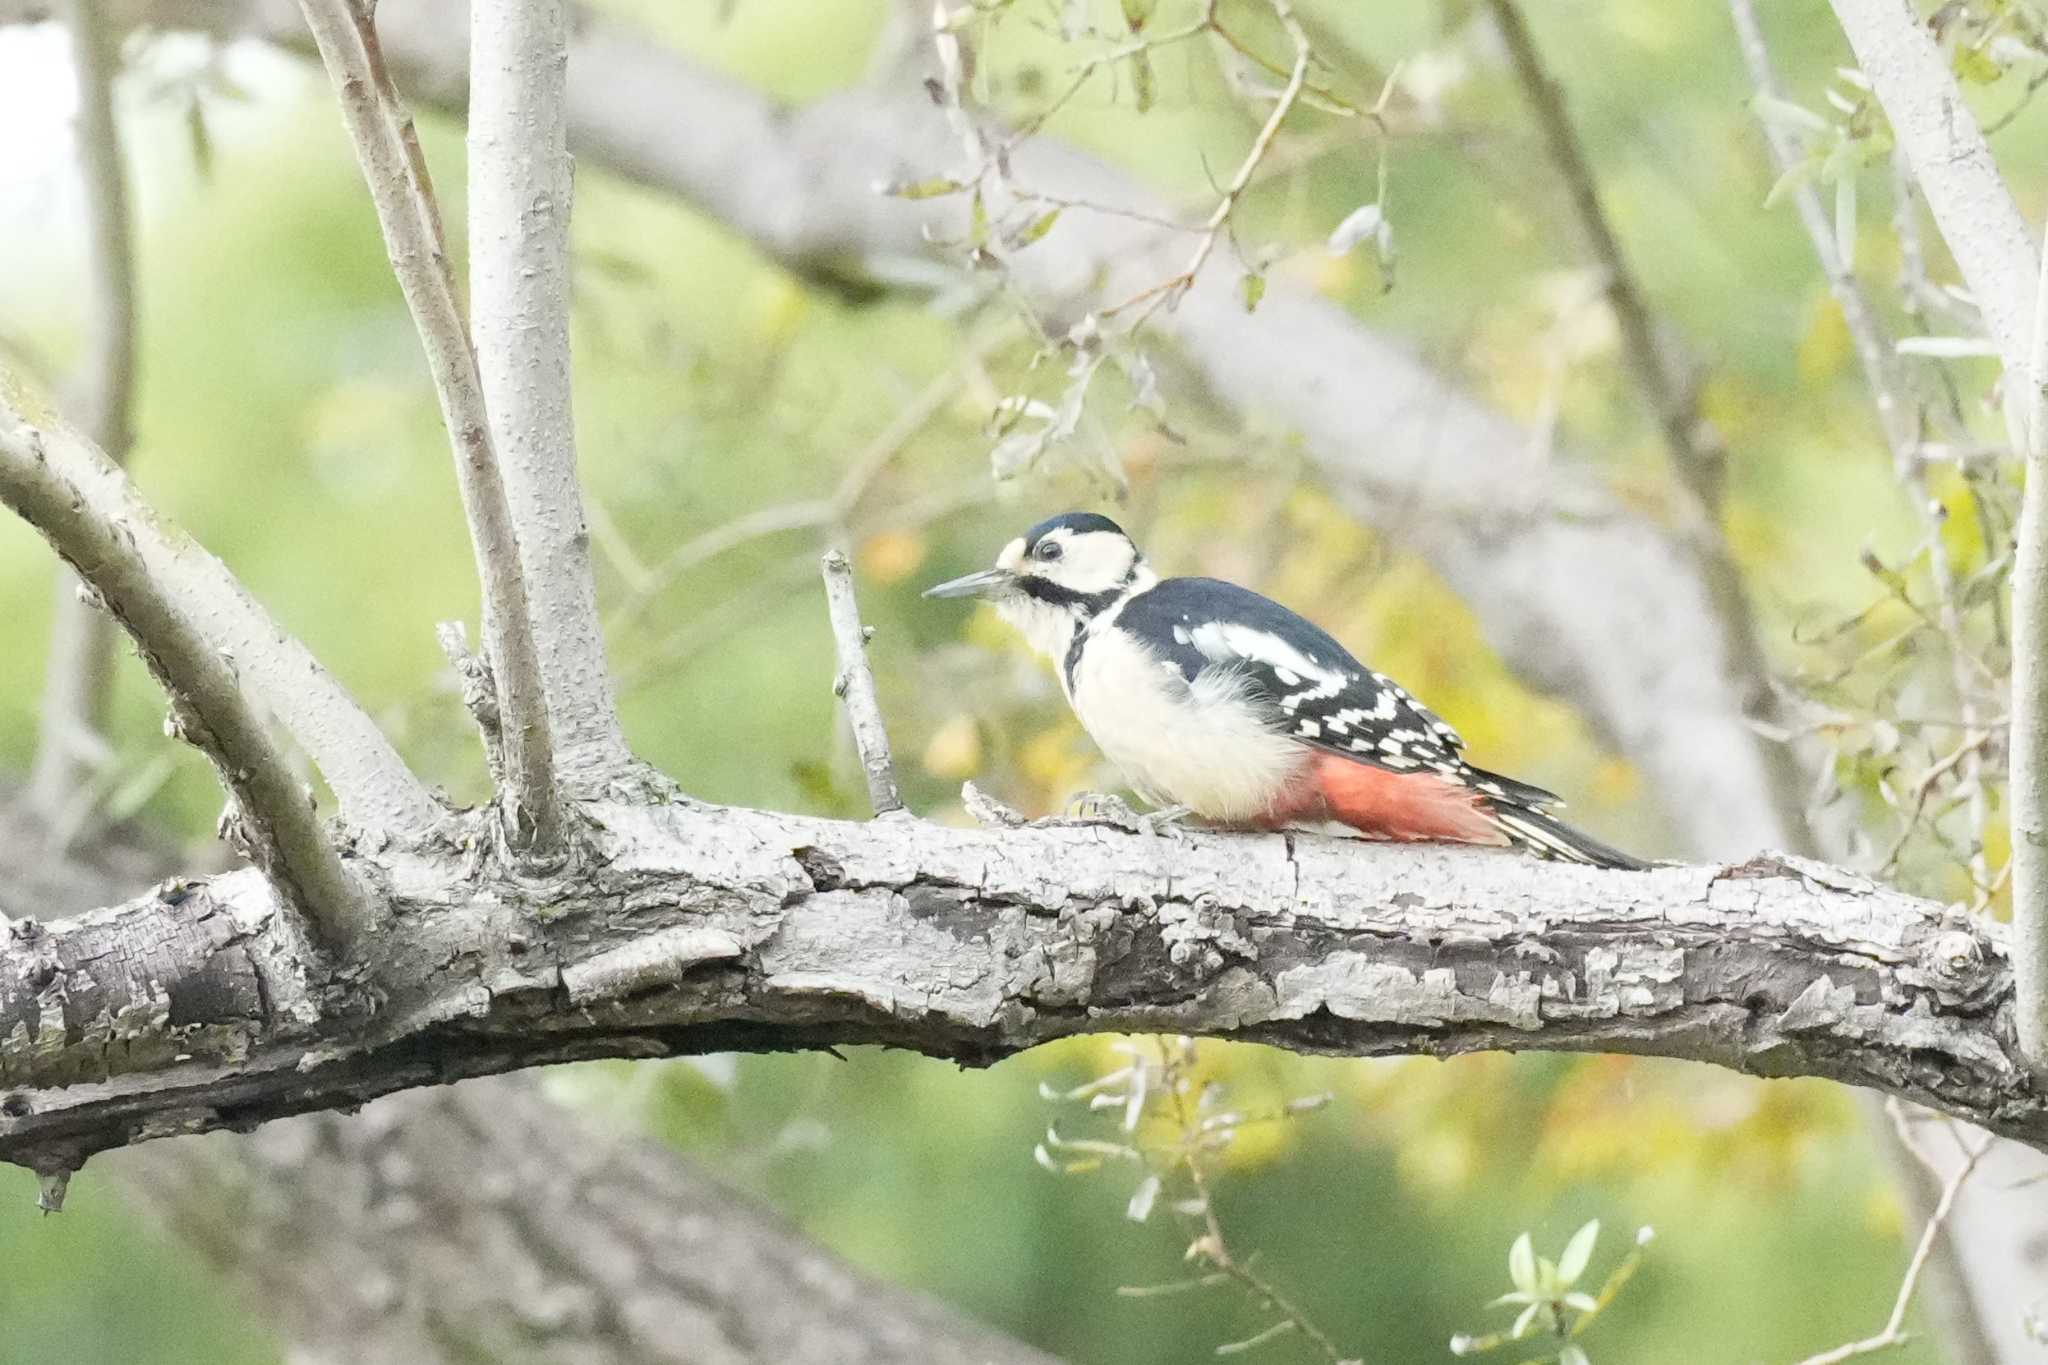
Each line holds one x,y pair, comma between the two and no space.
1048,550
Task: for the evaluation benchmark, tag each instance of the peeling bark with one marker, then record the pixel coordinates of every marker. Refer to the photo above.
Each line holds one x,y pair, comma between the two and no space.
696,929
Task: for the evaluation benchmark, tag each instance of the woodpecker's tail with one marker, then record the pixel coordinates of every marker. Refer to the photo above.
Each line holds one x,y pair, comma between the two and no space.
1517,810
1549,837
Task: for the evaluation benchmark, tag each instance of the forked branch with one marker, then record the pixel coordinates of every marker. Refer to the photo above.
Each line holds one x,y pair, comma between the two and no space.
272,819
395,170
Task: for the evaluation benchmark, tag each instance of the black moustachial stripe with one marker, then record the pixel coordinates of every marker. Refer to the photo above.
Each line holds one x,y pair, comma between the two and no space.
1085,604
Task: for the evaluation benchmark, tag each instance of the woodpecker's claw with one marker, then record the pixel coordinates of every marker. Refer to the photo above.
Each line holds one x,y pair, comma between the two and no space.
1105,808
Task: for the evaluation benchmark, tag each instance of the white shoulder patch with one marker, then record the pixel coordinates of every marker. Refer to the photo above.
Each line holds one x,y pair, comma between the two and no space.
1225,641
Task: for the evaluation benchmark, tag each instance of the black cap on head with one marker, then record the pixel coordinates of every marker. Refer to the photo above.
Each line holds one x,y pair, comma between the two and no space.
1078,523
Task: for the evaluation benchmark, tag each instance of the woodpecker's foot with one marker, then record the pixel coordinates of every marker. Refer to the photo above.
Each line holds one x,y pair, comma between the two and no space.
1104,808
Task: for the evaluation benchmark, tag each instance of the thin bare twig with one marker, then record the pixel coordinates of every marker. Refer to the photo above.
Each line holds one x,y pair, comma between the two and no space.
395,171
78,678
520,194
1173,287
272,818
855,684
1894,1333
1211,1246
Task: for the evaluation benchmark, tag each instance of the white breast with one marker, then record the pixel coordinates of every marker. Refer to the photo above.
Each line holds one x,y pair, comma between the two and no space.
1207,746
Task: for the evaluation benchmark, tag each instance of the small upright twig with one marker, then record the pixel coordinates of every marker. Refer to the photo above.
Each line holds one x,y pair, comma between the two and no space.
272,818
855,685
395,171
78,679
520,192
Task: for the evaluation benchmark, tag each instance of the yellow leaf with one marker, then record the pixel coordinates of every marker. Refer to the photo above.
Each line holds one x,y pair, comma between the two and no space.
954,750
890,556
1824,347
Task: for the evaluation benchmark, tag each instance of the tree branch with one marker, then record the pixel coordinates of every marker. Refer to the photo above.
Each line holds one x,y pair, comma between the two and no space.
441,1213
855,685
395,172
79,677
708,929
272,817
520,193
1996,255
1950,159
370,782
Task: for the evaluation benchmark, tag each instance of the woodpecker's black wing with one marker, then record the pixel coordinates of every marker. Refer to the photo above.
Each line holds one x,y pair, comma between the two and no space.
1318,691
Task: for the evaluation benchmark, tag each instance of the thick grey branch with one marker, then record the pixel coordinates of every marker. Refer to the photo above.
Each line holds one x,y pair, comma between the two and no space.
79,676
707,929
273,818
483,1223
527,1258
1996,255
855,685
370,782
1950,159
519,199
395,171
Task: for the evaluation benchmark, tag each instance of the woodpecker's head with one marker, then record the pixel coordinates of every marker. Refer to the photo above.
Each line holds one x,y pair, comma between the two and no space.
1061,572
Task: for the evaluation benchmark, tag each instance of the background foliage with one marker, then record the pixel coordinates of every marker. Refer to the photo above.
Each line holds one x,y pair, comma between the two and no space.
286,422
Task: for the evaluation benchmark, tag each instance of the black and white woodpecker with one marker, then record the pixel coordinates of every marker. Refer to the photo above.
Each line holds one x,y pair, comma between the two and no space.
1225,704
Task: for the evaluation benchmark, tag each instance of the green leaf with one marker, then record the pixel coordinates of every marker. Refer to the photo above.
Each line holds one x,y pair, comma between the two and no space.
1143,83
1785,114
977,221
1798,174
1251,289
1975,65
1038,228
1521,1260
1577,1253
924,189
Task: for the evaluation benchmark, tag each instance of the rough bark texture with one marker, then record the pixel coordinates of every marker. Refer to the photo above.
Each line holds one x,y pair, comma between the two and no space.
372,1240
483,1223
691,929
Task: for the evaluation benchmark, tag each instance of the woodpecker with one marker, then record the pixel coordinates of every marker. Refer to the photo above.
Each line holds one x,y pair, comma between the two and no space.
1218,702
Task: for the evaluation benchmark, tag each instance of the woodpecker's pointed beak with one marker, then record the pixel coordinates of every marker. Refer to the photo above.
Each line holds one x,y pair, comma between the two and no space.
987,583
